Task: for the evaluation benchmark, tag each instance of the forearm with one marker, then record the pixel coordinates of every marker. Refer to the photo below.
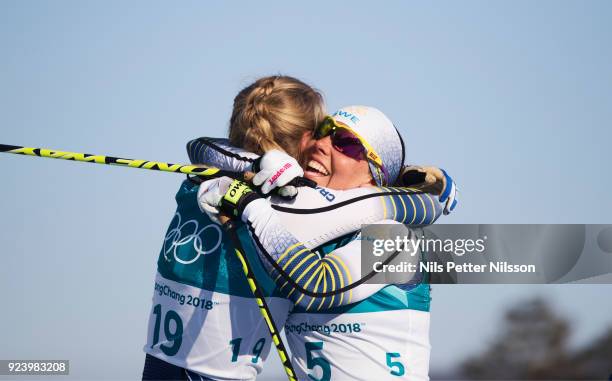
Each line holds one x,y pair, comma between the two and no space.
319,215
220,154
302,275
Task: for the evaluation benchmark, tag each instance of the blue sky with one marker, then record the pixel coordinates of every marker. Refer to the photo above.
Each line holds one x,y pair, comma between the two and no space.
512,98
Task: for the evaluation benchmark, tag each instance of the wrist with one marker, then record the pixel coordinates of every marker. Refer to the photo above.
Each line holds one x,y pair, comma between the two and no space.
254,209
237,197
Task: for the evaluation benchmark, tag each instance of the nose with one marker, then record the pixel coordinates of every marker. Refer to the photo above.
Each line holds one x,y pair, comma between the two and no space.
324,146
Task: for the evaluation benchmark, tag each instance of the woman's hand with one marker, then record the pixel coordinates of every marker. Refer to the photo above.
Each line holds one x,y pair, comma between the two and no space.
210,194
225,196
431,180
275,169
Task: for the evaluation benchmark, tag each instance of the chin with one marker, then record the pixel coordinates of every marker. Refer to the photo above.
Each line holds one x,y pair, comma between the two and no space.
321,181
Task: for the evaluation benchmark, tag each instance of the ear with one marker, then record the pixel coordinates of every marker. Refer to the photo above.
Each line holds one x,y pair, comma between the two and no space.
305,139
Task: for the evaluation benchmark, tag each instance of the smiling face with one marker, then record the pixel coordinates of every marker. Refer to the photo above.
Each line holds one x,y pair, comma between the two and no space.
330,168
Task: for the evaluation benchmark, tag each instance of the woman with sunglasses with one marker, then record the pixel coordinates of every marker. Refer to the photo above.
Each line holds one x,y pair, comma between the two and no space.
350,175
340,156
216,331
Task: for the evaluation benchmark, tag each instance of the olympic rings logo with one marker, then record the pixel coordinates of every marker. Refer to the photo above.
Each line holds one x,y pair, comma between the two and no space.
188,233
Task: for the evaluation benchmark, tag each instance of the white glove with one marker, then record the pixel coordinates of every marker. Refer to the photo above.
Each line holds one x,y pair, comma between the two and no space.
276,170
210,194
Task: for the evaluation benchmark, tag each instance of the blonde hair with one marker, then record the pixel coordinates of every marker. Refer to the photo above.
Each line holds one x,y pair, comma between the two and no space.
274,113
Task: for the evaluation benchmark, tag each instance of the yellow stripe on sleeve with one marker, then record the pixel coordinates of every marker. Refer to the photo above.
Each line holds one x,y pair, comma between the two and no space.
413,210
424,210
325,271
348,273
404,206
316,289
287,251
384,204
433,206
392,203
296,268
340,277
288,263
309,279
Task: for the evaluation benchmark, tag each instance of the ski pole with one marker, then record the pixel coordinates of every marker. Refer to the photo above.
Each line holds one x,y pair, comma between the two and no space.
203,173
230,227
188,169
